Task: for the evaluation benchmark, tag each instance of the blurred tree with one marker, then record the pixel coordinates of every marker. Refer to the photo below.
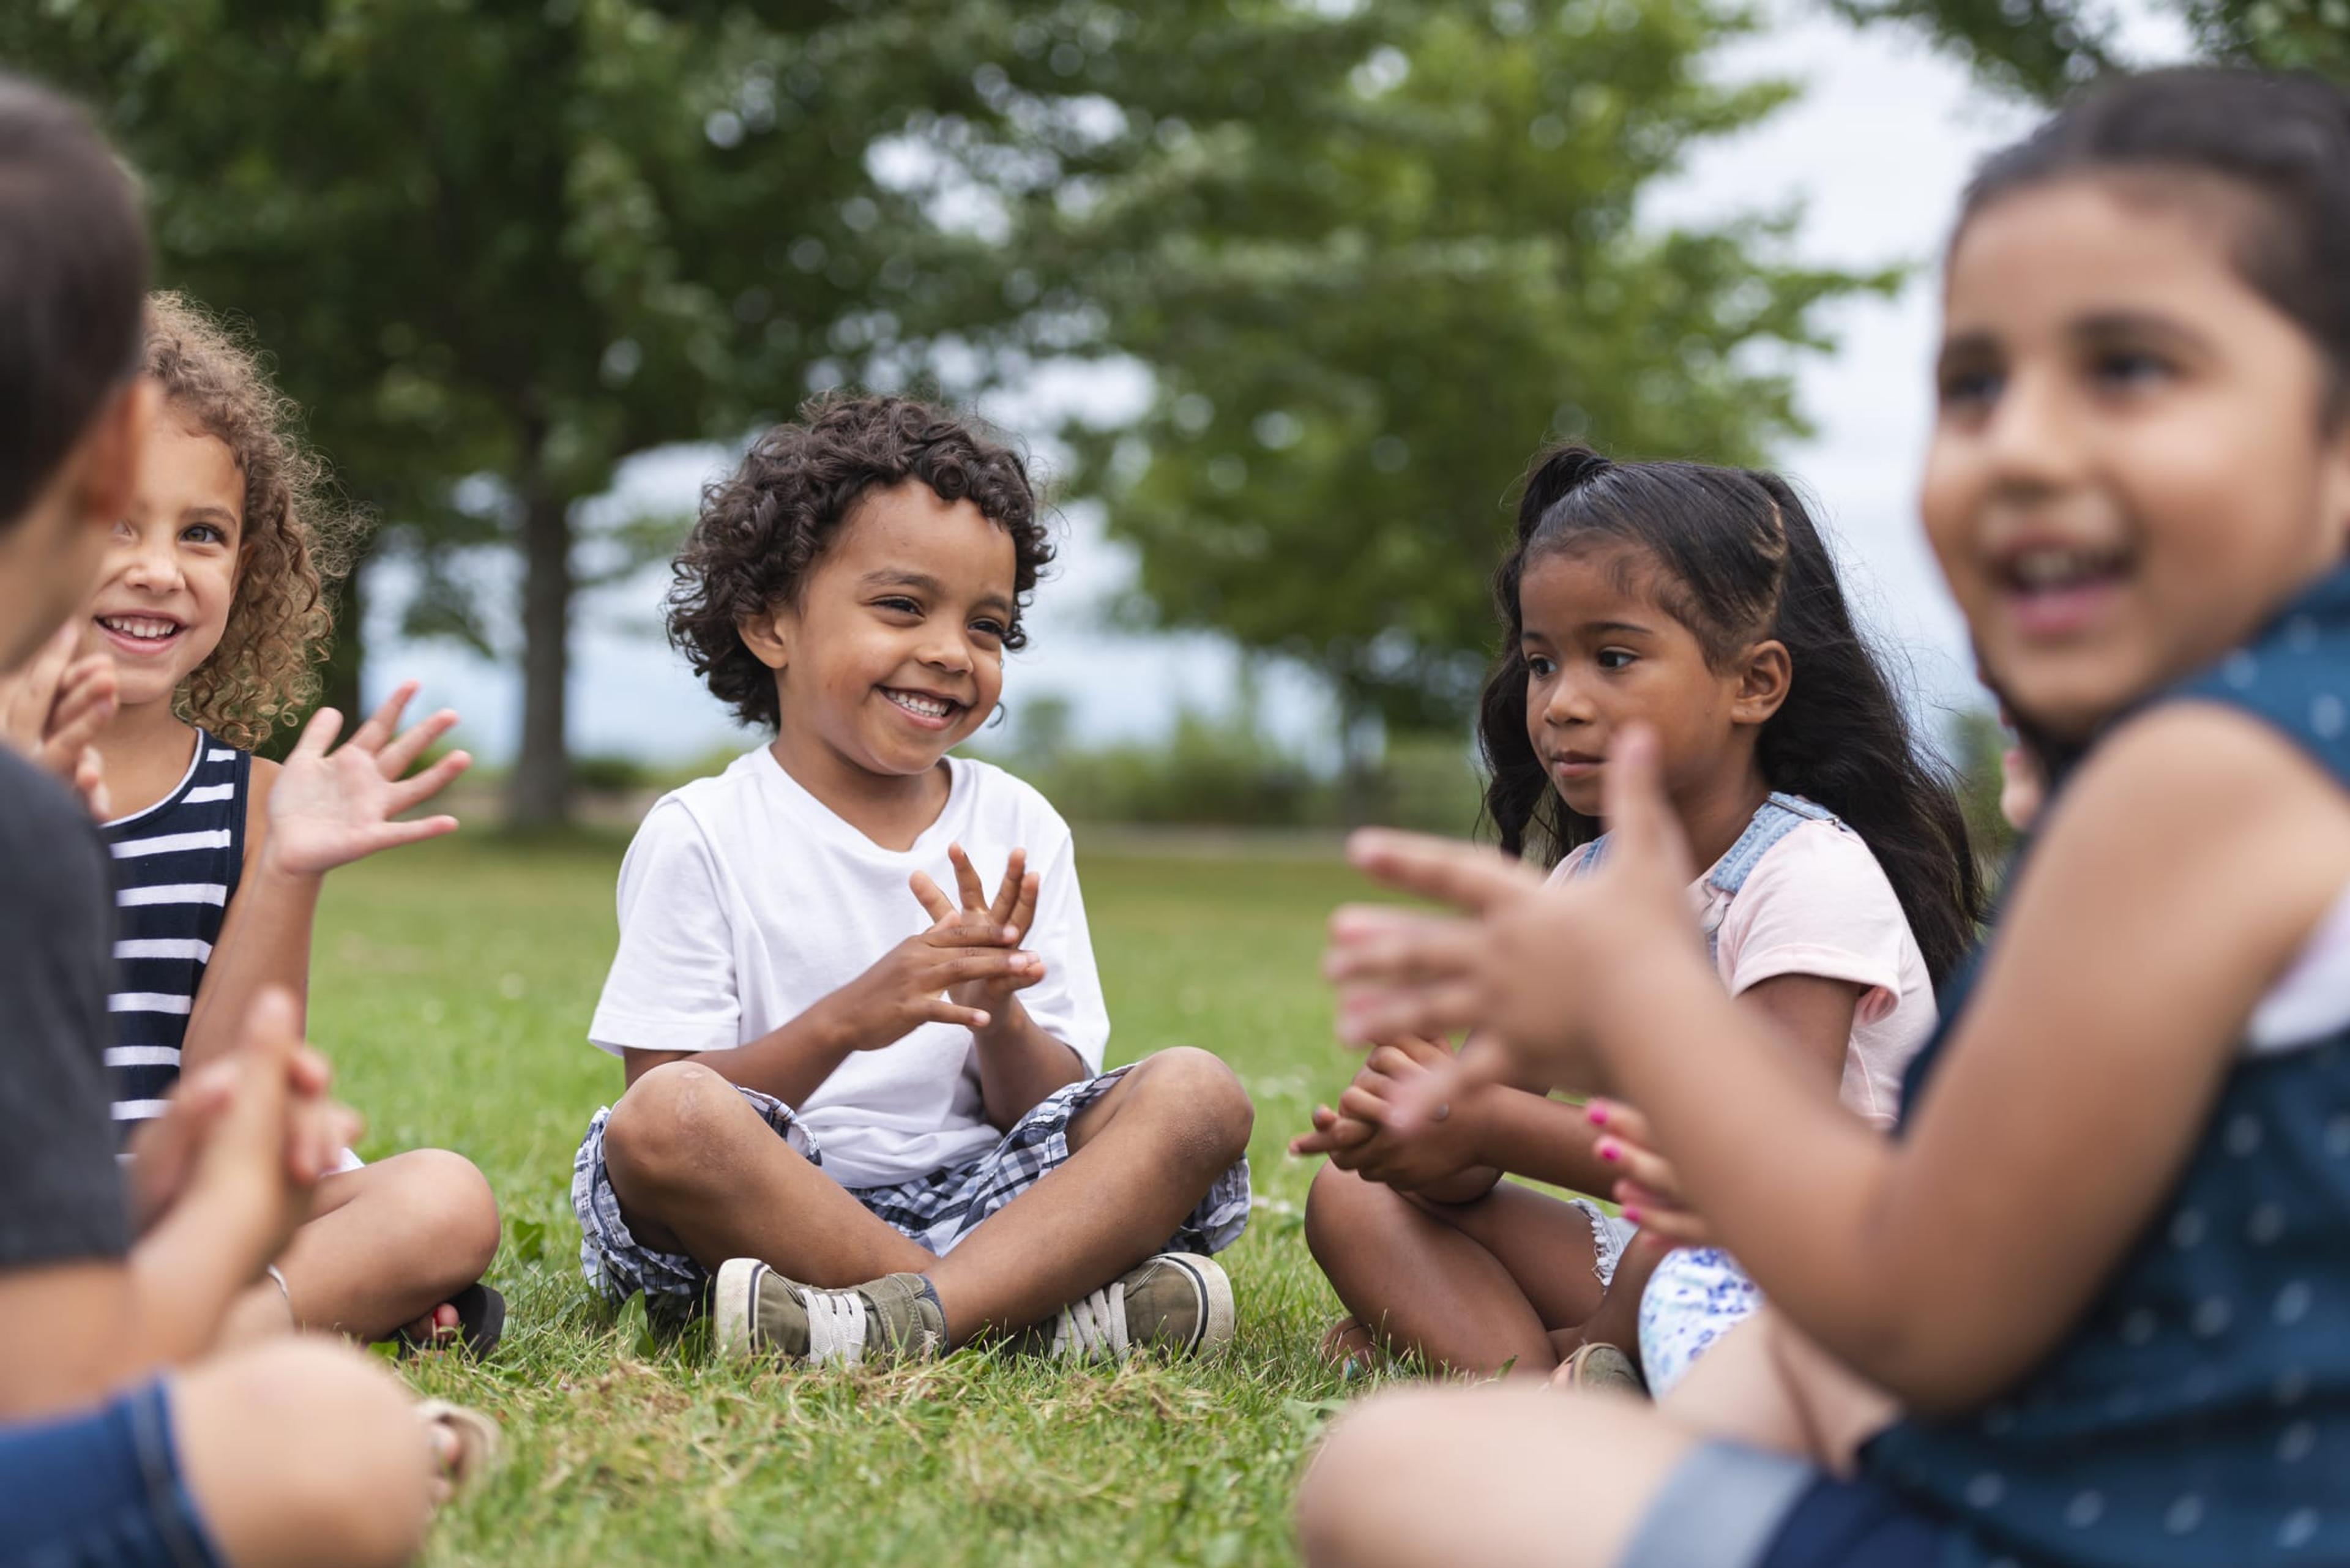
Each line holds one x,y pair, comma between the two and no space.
2043,49
1375,253
496,247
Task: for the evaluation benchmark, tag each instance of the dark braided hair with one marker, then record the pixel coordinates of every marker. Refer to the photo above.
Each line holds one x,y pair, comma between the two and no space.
764,528
1741,562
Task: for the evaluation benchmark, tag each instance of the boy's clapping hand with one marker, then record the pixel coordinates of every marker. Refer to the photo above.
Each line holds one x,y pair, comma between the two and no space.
333,805
964,970
982,923
1536,969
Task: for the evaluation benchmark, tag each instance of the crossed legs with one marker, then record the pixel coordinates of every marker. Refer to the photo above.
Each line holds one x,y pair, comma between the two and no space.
697,1171
1508,1280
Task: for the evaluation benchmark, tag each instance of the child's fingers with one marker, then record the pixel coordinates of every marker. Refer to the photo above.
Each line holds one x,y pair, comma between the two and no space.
1661,1215
318,735
401,752
1483,1061
939,1010
1024,909
1638,1165
392,834
937,905
971,964
1396,946
1366,1014
967,882
380,727
1462,874
1392,1060
1642,830
1007,896
407,795
1363,1106
1619,1118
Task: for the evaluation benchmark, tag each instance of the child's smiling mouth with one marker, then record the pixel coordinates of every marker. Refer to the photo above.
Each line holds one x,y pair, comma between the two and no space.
2056,590
928,709
141,635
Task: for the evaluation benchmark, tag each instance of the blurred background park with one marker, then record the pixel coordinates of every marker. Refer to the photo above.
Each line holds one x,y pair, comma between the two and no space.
1280,294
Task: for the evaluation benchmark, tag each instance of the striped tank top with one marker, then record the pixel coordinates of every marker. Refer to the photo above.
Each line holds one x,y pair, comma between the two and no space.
175,869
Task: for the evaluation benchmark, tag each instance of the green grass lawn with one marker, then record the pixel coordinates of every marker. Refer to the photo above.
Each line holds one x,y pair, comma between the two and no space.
453,986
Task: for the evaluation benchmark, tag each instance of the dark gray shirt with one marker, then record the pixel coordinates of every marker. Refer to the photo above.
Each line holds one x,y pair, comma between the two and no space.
61,1195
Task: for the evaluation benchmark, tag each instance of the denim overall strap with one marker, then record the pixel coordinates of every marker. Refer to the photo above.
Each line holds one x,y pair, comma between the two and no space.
1775,818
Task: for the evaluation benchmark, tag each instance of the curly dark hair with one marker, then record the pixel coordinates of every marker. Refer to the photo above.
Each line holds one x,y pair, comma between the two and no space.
296,545
763,528
1741,559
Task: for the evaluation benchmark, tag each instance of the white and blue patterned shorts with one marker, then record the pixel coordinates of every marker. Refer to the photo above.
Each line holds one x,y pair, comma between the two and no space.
1697,1295
936,1210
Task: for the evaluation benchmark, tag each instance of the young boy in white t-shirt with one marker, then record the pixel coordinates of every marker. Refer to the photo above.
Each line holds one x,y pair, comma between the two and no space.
874,1112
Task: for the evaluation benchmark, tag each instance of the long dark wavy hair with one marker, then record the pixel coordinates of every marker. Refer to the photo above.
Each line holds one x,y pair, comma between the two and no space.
1741,562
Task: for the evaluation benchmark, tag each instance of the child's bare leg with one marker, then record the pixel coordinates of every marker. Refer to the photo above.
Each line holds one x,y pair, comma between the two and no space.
302,1453
1618,1321
1143,1156
1473,1476
1766,1385
388,1243
1471,1286
698,1171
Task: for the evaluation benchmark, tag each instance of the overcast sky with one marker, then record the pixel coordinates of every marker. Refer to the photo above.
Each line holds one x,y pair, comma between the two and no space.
1876,149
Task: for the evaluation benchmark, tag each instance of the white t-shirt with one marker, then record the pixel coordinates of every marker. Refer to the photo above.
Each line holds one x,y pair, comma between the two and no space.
1818,903
745,901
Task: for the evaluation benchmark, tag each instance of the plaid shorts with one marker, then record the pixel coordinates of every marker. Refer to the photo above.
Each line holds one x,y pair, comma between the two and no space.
937,1210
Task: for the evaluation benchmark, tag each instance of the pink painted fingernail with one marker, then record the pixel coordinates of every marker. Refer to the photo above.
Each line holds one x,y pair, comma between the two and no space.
1608,1148
1598,1113
1632,1216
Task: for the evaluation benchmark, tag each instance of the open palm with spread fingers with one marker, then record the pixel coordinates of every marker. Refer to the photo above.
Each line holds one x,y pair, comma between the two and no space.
1537,970
332,804
982,921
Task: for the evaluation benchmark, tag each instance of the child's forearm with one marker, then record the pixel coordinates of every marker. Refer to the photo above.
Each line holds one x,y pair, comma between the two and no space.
265,942
1019,1065
790,1062
1533,1136
188,1269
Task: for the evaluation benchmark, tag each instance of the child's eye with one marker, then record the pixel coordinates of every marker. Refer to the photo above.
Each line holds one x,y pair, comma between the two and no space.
1971,389
1538,667
2127,369
1616,658
989,627
204,533
899,603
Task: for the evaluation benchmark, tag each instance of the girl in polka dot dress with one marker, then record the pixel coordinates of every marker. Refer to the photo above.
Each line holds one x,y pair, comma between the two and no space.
2105,1268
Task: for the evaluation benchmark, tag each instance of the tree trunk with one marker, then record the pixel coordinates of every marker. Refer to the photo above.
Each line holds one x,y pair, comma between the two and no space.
541,792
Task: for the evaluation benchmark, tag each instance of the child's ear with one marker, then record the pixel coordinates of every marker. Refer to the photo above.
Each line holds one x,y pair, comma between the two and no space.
768,636
1765,673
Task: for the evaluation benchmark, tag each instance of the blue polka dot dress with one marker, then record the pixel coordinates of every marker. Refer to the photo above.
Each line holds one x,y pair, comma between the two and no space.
2199,1414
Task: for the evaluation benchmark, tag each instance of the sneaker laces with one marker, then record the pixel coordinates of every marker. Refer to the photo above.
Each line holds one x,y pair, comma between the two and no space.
1093,1326
836,1328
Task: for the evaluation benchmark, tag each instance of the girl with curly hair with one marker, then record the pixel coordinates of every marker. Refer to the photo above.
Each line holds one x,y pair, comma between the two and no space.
213,607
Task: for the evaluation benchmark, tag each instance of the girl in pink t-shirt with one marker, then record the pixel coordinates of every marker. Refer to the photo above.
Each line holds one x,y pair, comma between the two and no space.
1700,601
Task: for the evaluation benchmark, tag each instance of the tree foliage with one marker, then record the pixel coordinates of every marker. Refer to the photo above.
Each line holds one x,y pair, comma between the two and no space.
1375,255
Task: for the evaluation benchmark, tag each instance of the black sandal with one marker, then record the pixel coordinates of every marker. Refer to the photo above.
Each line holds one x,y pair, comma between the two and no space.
481,1323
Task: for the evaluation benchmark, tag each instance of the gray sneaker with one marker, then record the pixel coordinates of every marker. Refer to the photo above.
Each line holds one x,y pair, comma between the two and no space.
760,1313
1177,1301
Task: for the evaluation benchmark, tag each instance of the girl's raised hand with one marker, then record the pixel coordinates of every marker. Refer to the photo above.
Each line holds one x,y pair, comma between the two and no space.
1535,970
333,805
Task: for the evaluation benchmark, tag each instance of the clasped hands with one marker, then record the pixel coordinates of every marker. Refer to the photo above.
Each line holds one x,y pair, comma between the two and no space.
1539,973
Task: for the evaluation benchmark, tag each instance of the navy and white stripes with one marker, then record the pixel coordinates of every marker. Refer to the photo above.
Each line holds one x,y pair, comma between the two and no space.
175,869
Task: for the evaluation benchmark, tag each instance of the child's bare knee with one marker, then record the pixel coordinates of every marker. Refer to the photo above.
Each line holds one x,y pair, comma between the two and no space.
454,1210
1358,1464
1214,1108
305,1450
668,1121
1334,1211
